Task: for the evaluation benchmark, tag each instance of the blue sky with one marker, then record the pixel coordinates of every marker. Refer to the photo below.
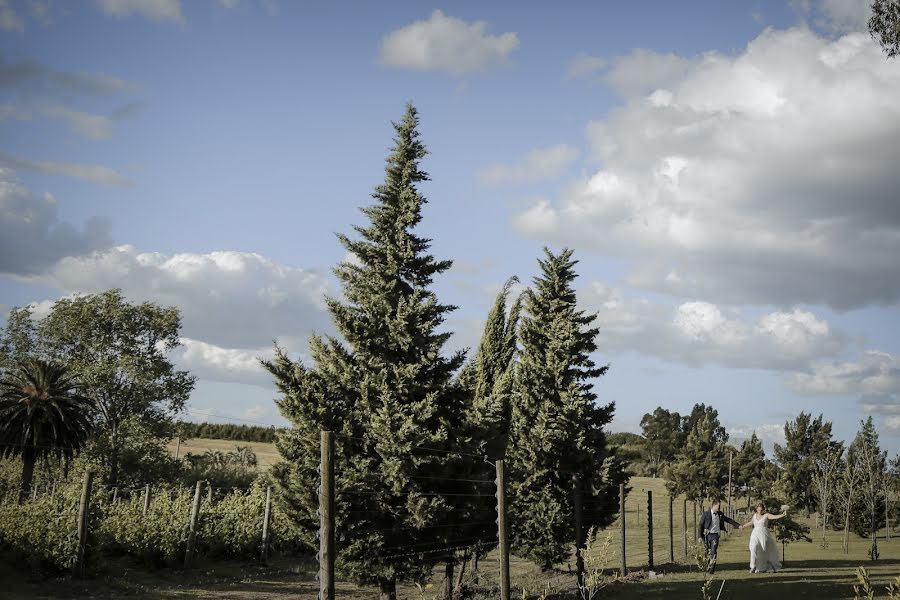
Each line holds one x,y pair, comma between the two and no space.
726,173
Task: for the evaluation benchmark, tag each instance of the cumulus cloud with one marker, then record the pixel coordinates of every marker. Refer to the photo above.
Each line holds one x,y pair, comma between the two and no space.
155,10
585,65
536,165
768,433
444,43
32,237
698,333
236,365
99,174
875,376
233,300
768,177
644,70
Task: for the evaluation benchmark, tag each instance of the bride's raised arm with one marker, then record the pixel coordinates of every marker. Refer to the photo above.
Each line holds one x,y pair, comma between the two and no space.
776,517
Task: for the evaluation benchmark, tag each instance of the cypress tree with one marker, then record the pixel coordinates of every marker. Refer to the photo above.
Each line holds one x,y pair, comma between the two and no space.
557,439
805,440
492,375
386,388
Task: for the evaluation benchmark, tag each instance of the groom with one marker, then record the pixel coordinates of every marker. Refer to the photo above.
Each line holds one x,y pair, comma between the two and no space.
712,523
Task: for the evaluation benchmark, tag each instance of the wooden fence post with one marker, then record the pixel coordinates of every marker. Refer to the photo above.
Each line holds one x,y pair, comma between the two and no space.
622,519
146,499
265,532
650,530
579,534
83,509
684,529
209,493
115,496
671,528
192,530
326,512
502,532
695,519
53,491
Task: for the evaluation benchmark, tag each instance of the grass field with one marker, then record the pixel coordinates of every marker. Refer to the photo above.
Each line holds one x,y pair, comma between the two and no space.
266,454
810,571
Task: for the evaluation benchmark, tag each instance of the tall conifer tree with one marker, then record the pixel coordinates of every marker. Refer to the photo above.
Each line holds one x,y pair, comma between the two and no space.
557,429
387,387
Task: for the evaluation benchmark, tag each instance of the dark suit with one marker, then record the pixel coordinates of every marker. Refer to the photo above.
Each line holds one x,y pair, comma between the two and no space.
712,539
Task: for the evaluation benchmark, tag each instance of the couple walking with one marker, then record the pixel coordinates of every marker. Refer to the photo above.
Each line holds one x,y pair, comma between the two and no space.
763,548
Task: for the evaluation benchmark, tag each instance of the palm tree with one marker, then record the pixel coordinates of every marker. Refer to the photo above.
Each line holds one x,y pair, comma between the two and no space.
41,415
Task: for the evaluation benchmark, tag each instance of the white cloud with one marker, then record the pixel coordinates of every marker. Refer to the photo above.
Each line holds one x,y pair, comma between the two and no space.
875,374
444,43
32,237
585,65
698,333
643,70
847,15
536,165
892,423
211,362
155,10
768,433
9,19
233,300
94,173
768,177
96,127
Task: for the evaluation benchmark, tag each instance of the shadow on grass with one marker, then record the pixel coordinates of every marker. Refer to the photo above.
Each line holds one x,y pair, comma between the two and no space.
769,588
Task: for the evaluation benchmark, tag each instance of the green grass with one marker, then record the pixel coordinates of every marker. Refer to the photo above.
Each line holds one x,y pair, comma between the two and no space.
266,454
810,571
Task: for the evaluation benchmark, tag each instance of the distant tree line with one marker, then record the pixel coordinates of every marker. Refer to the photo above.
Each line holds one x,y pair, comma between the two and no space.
228,431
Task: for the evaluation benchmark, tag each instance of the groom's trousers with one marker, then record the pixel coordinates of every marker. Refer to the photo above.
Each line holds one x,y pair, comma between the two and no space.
712,549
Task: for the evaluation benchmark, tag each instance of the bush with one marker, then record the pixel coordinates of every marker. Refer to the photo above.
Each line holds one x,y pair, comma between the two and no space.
157,538
43,534
232,527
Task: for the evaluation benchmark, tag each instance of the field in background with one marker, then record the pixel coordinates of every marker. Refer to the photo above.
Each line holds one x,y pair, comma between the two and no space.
266,454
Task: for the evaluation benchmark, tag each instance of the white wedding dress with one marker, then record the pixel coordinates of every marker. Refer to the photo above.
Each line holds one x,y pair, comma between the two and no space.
764,553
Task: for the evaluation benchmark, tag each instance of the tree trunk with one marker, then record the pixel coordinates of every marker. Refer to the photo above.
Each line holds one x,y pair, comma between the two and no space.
114,458
448,579
846,541
388,589
28,459
475,564
457,589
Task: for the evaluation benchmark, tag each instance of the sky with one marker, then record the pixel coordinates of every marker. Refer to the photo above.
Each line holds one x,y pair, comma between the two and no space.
726,173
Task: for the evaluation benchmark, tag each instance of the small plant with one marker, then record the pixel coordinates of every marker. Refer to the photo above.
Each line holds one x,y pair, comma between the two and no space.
421,589
701,556
893,589
595,576
863,590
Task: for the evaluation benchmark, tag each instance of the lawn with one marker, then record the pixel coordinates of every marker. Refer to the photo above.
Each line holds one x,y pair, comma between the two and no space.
266,454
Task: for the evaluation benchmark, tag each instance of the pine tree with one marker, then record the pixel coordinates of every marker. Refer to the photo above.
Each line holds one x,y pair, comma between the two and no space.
701,468
557,438
386,387
661,430
750,466
806,439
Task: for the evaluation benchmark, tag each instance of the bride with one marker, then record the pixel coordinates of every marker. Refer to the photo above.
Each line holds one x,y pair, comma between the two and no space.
763,548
